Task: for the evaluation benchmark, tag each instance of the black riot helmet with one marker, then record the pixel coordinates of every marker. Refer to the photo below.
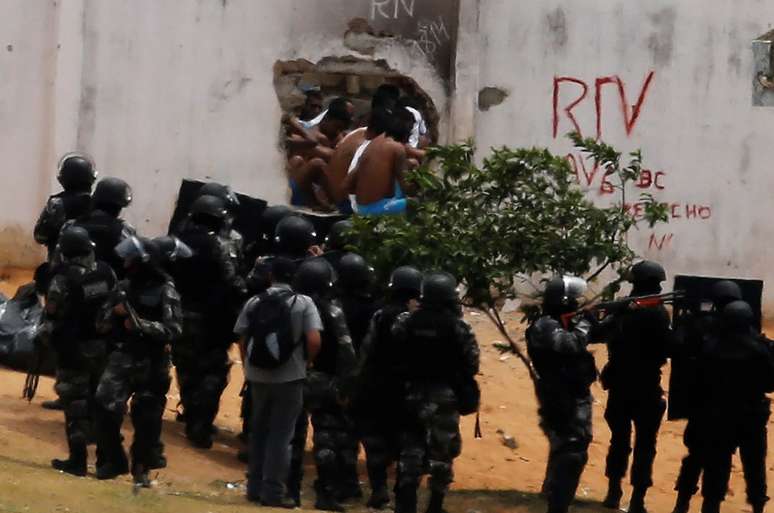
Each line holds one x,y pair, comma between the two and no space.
294,236
314,277
208,211
223,192
646,277
270,218
76,172
173,249
355,275
338,236
738,315
406,280
562,294
724,292
439,288
75,242
112,193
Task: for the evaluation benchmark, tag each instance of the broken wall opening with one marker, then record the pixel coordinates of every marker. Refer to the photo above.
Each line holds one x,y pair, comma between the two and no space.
315,177
356,79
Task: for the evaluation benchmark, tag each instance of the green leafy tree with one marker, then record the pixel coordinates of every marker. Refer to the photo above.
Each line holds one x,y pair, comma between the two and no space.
518,216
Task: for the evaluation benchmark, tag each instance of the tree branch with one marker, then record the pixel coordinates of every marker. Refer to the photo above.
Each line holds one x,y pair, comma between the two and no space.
494,316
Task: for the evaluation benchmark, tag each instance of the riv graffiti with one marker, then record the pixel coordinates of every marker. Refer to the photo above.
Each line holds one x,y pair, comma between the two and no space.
572,94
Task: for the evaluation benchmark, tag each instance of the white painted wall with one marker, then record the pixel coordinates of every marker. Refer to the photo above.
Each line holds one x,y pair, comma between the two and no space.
155,92
158,91
696,124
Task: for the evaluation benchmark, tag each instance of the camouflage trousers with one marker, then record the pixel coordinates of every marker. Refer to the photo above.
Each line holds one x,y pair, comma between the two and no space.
431,437
202,365
143,380
568,429
77,378
335,445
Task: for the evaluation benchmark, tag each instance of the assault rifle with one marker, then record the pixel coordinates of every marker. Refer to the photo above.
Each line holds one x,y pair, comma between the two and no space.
600,310
123,300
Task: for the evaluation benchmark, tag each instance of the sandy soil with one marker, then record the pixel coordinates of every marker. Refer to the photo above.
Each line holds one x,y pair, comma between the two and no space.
490,477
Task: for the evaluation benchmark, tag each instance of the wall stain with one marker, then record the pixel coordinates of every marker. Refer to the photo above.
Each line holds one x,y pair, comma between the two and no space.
557,28
661,40
488,97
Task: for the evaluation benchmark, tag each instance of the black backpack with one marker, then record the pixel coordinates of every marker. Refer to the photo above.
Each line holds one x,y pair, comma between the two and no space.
271,329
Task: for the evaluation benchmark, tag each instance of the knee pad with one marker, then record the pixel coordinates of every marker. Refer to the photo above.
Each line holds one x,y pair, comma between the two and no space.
324,456
78,409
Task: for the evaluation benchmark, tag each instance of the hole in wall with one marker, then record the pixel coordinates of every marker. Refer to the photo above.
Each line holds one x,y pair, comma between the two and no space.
354,78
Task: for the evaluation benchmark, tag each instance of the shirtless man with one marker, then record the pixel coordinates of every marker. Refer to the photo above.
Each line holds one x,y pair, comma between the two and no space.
378,183
310,150
383,102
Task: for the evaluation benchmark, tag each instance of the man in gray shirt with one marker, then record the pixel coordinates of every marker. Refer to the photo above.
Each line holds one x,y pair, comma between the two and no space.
277,394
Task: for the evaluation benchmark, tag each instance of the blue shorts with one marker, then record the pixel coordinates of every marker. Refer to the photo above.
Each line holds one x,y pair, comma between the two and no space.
386,206
297,196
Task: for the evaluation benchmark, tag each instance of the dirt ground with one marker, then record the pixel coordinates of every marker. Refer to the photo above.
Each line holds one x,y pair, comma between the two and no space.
490,477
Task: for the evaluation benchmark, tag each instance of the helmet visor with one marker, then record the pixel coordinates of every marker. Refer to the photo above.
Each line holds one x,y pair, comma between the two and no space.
131,249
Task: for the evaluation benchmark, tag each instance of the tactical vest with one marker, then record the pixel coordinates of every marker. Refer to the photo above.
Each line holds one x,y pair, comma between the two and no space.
430,352
88,292
199,279
562,373
328,356
106,232
73,206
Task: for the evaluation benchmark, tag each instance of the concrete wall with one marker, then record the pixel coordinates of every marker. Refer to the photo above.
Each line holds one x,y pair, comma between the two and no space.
157,91
672,78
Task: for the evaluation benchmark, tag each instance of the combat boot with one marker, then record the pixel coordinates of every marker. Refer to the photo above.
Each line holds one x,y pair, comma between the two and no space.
199,435
349,492
75,464
406,500
637,503
710,506
56,404
758,508
140,476
436,503
614,494
156,458
116,465
325,499
683,502
380,497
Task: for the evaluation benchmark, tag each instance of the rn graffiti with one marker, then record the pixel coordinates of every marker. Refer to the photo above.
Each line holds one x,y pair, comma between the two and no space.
570,92
392,9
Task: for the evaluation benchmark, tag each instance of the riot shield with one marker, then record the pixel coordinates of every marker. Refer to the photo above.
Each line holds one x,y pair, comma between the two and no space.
690,313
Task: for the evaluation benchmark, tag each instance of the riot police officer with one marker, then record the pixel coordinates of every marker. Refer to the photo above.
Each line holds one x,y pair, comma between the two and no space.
566,371
378,400
439,354
76,175
355,292
736,371
337,241
104,224
79,288
143,318
637,343
209,289
264,244
689,337
326,387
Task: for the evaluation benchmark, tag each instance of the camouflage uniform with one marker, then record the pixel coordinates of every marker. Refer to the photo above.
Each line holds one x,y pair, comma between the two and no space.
378,400
438,350
138,369
75,296
210,288
326,384
566,371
